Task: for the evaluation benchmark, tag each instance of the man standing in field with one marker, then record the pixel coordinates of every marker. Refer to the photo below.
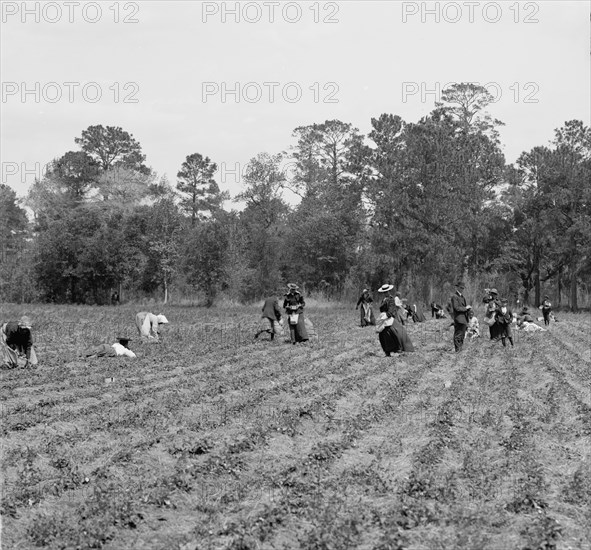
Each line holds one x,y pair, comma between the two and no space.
459,311
546,308
17,341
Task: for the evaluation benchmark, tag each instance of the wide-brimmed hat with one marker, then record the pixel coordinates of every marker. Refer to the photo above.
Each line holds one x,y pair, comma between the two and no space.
460,284
546,297
161,319
25,322
365,290
503,300
493,291
385,288
292,286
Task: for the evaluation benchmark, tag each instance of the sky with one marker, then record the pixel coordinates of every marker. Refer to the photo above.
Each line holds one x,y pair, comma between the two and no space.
230,80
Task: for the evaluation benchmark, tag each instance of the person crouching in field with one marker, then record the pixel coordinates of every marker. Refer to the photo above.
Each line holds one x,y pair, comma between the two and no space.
272,317
546,308
17,343
391,333
110,350
148,325
294,304
459,312
367,316
504,319
526,322
415,314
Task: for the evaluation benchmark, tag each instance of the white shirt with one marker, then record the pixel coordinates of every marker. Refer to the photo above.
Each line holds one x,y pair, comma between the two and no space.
122,350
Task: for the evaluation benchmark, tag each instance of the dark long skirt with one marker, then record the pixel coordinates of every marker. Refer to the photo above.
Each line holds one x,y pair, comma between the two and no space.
394,338
418,317
298,333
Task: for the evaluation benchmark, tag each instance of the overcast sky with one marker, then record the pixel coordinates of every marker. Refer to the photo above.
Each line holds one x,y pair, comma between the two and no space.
165,72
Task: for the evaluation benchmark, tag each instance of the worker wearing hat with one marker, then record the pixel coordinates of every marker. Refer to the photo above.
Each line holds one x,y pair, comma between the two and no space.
492,305
294,304
148,325
17,341
367,315
459,311
504,318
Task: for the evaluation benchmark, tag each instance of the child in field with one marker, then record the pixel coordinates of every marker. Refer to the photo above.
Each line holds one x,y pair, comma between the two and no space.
504,319
546,308
473,326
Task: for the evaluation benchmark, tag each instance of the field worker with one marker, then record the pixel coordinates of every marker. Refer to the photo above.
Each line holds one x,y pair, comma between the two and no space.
437,311
416,314
272,317
492,305
398,302
148,325
392,335
526,322
17,342
546,308
111,350
390,301
459,311
504,317
367,316
294,304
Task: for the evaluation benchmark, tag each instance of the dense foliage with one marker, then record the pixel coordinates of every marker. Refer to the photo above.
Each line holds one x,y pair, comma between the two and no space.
416,204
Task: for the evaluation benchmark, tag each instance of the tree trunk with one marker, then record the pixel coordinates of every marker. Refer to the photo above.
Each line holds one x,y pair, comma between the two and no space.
165,291
574,306
559,285
537,277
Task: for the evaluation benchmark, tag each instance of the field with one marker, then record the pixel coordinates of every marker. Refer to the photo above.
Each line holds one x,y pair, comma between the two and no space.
212,441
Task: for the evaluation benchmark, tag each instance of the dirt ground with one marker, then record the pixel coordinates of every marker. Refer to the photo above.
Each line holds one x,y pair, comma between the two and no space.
210,440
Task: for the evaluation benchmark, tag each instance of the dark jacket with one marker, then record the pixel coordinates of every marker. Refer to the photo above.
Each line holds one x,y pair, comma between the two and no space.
365,298
295,300
271,309
459,309
389,302
19,338
504,318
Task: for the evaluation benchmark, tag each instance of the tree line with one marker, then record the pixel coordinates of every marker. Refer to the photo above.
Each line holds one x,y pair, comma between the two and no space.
415,204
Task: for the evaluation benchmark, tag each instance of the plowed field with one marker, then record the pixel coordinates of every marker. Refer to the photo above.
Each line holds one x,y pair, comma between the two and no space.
210,440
